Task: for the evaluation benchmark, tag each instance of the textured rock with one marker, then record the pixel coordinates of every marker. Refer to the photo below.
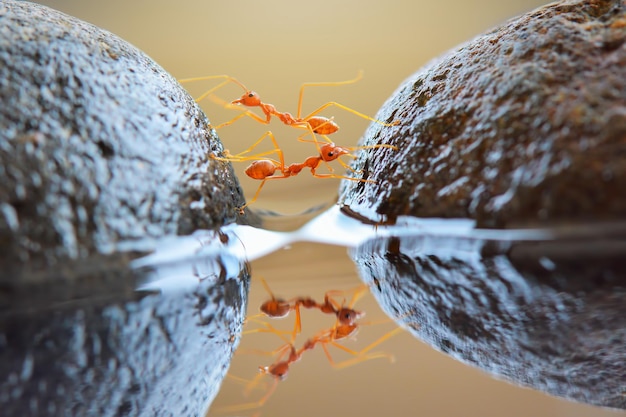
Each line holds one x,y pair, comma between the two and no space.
103,154
162,352
98,144
523,125
545,314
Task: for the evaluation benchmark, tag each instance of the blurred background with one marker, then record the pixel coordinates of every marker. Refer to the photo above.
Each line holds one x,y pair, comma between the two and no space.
272,47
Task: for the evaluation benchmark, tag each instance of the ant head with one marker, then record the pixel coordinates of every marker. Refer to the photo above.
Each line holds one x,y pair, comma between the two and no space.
330,152
345,330
249,98
348,315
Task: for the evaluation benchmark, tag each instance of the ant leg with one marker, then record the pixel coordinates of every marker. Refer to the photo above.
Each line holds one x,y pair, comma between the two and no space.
281,350
380,340
252,383
256,195
354,171
258,191
348,167
322,84
268,328
342,177
228,157
241,155
301,138
309,131
244,112
348,109
362,355
234,119
251,405
357,359
357,293
380,145
297,326
212,77
228,79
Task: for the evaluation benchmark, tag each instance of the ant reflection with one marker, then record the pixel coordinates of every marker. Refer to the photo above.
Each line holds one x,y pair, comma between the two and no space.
347,323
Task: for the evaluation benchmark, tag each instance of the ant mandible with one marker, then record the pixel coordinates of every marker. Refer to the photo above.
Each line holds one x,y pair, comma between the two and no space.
264,169
312,122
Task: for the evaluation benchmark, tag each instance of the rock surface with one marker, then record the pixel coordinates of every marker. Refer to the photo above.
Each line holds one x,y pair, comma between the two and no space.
102,153
524,125
98,144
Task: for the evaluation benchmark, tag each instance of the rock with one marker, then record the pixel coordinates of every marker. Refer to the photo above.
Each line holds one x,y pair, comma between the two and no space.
98,144
102,154
548,314
524,125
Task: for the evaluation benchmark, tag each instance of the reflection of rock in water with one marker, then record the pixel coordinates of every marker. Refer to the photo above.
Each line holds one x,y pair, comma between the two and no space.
141,354
549,315
100,148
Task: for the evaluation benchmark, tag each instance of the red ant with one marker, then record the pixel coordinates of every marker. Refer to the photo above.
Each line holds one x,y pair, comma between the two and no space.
346,317
311,122
345,326
278,371
343,331
279,308
264,169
